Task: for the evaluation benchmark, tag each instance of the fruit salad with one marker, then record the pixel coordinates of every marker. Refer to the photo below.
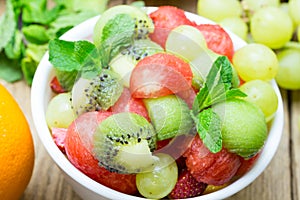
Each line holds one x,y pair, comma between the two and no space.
159,106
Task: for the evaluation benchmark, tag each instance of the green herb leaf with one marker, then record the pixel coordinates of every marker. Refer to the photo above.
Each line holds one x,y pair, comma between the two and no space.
64,22
235,92
217,85
69,58
138,4
28,67
78,5
7,25
35,11
31,59
208,125
217,88
91,5
116,34
14,49
36,34
36,52
10,70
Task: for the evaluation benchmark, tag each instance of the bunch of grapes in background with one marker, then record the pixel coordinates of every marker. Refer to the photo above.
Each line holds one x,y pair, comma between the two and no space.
271,23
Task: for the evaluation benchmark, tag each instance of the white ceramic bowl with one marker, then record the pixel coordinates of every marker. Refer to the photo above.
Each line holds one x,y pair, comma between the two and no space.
87,188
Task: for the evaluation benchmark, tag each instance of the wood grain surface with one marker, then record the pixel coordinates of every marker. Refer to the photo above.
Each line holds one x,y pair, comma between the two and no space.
280,181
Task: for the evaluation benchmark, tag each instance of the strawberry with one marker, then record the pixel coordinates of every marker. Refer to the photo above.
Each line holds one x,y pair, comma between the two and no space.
55,86
211,168
165,18
59,135
187,186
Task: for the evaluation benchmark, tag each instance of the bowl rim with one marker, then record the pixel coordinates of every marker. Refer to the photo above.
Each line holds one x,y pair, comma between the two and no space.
38,95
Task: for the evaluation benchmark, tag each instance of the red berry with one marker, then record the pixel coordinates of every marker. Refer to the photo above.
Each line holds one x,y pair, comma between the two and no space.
78,149
211,168
187,186
166,18
55,86
59,136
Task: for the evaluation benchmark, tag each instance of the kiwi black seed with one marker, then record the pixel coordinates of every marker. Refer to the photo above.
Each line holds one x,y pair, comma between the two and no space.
98,93
141,29
123,143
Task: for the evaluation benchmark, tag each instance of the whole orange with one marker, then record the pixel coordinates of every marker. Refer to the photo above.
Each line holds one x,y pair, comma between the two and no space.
16,148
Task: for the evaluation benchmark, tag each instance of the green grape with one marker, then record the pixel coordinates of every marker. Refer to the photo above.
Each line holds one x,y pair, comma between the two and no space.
294,10
255,5
272,27
289,69
218,10
59,112
284,6
186,41
262,94
160,182
298,33
236,25
255,61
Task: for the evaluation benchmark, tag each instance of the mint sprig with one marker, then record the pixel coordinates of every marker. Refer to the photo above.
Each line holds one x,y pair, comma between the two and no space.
32,23
208,125
217,88
116,34
82,58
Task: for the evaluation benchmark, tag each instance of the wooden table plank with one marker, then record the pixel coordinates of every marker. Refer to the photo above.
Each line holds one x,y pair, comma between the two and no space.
295,143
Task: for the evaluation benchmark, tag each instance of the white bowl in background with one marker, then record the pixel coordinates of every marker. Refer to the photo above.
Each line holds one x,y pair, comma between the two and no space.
89,189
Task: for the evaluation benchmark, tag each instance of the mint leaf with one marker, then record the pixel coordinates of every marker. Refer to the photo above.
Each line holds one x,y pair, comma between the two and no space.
28,67
35,11
90,5
64,22
69,58
31,59
208,125
139,4
14,49
235,92
36,34
7,25
36,52
78,5
10,70
217,85
116,34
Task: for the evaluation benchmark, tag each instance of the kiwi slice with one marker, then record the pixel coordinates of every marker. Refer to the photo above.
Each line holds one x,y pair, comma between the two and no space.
143,23
126,60
170,116
98,93
244,129
123,143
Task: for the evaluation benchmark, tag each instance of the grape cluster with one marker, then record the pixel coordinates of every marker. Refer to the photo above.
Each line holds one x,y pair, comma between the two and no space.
271,23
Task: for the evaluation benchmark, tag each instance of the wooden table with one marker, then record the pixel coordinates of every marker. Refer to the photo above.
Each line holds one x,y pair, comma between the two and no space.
280,181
